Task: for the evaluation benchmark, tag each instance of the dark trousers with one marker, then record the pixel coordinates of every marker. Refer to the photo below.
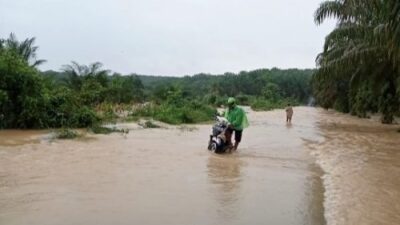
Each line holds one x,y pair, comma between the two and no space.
238,135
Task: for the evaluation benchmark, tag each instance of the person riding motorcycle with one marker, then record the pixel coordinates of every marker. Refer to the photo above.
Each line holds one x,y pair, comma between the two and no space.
237,119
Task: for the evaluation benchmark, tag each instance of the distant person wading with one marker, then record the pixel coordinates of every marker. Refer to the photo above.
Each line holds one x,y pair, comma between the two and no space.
237,119
289,113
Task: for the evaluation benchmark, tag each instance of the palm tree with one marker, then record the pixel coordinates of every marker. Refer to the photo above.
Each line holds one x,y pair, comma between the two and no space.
364,46
26,49
77,73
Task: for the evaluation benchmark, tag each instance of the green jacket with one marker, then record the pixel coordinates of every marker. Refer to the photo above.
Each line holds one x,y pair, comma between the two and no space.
237,118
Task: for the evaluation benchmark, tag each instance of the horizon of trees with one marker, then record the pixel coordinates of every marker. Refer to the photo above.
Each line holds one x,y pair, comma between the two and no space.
30,98
288,83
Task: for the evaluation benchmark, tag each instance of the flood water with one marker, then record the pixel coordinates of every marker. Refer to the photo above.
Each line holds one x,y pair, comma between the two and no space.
325,168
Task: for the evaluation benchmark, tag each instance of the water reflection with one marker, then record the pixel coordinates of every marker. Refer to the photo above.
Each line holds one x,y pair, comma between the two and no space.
224,173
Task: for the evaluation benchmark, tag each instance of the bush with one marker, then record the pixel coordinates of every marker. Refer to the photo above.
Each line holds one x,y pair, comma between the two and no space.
23,97
185,112
168,114
341,105
221,101
244,99
149,124
106,130
261,104
211,99
83,117
66,134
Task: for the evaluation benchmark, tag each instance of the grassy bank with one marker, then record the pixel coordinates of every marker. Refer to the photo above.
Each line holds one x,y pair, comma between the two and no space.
260,104
188,112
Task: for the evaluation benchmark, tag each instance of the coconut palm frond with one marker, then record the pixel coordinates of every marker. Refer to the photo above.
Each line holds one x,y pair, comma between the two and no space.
77,73
38,62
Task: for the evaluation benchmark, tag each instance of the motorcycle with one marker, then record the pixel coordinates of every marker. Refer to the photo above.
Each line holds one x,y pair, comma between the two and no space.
218,142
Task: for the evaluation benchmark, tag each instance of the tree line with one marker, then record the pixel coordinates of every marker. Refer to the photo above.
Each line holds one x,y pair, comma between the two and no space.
359,68
82,95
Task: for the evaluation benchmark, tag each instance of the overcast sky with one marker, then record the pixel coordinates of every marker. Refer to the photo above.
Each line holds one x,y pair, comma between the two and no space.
169,37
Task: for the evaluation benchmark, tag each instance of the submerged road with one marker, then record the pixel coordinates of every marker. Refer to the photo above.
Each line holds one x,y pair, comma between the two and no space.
324,168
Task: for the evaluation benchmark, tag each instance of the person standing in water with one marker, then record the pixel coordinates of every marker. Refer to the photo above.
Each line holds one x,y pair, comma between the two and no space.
237,118
289,113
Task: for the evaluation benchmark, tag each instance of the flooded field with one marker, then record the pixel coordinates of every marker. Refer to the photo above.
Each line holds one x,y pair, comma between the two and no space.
325,168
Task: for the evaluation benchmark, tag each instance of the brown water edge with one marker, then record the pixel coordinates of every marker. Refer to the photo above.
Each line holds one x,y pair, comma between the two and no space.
165,176
20,137
362,163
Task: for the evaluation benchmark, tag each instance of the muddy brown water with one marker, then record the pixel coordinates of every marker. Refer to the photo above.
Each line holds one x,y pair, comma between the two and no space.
325,168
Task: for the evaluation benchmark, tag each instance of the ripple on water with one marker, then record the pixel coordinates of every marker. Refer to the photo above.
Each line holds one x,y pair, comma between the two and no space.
165,176
361,161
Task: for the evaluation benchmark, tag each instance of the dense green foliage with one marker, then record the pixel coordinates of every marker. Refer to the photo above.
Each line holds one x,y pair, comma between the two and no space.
65,133
85,95
176,109
22,93
262,89
30,99
359,69
192,99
